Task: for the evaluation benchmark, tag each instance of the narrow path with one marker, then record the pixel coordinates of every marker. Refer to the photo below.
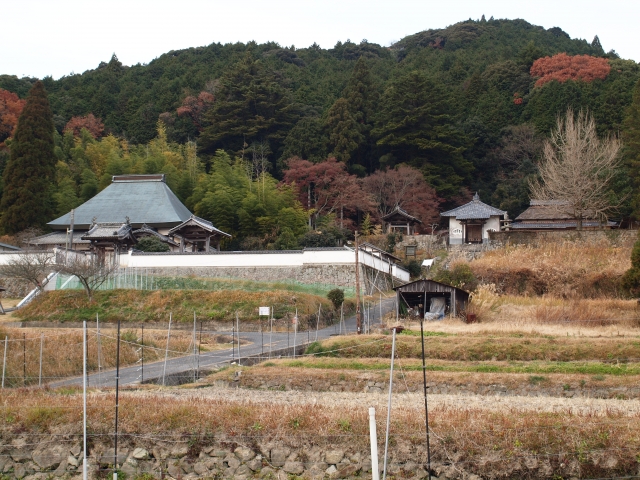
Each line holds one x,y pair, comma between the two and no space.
260,344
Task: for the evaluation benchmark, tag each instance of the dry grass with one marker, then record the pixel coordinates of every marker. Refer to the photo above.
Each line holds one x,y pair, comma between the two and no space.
475,434
138,306
62,351
509,310
486,347
565,270
9,302
337,374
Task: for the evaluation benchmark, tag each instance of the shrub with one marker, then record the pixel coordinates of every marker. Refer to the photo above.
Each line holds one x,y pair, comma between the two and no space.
329,235
459,275
318,239
286,240
631,278
414,268
336,296
151,244
392,240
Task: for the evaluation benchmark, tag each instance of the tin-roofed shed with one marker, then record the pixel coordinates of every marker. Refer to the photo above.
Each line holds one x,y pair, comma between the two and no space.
418,295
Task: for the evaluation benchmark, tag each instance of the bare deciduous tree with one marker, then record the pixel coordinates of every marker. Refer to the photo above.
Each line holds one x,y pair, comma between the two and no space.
33,267
577,169
89,270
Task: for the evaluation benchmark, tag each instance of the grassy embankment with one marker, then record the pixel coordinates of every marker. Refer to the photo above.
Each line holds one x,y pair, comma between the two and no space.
517,360
565,270
154,306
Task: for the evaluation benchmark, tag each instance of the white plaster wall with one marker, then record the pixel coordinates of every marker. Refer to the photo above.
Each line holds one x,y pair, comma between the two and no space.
248,259
400,273
492,224
455,228
6,257
455,231
211,260
256,260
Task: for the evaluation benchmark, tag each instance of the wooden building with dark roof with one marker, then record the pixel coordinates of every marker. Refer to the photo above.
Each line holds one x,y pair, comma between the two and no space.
144,203
555,215
400,221
472,222
418,296
199,233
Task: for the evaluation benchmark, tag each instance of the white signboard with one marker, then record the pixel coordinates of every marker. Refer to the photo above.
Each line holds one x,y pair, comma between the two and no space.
263,311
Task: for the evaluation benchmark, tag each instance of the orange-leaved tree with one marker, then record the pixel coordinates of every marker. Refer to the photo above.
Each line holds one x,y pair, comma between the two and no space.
10,109
90,123
563,67
196,107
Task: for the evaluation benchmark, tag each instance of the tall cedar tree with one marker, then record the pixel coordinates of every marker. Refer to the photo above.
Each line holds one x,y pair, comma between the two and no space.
250,106
631,136
361,94
305,140
30,172
416,127
344,135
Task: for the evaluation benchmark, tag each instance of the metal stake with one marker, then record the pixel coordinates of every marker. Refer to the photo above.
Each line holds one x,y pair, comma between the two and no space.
142,351
84,400
115,442
40,373
238,330
24,359
426,407
386,442
4,361
166,354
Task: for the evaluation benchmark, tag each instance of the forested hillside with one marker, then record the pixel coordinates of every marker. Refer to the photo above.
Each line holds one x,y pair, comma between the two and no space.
467,107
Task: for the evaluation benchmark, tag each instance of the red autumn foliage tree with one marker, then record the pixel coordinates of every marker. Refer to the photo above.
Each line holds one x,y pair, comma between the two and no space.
10,109
92,124
403,187
326,187
196,107
563,67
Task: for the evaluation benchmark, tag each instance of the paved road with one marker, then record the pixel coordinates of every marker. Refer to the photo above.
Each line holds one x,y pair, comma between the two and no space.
263,344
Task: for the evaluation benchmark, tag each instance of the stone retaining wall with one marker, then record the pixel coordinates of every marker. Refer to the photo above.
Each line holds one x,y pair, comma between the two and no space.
238,458
342,276
533,238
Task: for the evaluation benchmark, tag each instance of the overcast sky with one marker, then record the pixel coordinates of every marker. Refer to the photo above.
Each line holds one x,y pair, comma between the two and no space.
58,37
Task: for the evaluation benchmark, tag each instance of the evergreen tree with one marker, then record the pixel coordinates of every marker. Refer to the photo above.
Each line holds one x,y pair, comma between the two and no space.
417,128
251,106
30,172
631,152
631,278
344,134
361,94
305,140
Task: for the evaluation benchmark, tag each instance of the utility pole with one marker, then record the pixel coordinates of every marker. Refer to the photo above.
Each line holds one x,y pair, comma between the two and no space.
358,319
